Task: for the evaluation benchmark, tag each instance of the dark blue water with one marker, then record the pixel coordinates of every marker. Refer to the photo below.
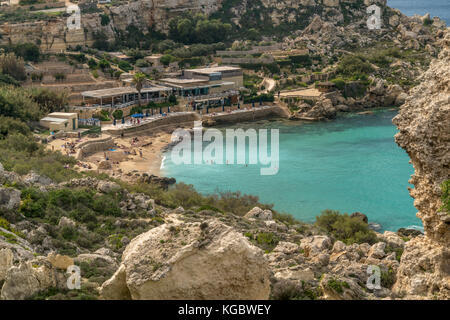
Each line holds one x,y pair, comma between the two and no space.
438,8
351,164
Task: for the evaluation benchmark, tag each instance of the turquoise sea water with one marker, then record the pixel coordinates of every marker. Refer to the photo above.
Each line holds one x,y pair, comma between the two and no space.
350,164
438,8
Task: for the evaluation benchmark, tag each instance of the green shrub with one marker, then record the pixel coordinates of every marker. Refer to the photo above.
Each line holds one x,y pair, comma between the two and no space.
388,278
398,252
104,19
125,66
208,207
427,22
9,80
4,224
11,238
173,99
288,290
302,60
92,63
117,114
265,97
343,227
337,285
354,65
340,83
167,59
267,240
28,51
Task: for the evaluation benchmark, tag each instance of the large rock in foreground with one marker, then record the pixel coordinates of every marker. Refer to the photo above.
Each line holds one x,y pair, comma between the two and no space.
424,124
190,261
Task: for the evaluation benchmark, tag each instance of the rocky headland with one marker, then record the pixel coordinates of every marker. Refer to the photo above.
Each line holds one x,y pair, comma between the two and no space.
424,125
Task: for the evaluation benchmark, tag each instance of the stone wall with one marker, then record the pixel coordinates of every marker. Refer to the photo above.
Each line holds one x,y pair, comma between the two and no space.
243,116
172,120
90,147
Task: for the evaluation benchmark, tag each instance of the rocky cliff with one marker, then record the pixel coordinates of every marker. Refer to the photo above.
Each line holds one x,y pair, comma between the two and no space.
424,124
269,16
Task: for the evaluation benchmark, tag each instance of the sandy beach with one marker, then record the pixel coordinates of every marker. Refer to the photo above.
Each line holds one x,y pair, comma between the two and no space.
139,154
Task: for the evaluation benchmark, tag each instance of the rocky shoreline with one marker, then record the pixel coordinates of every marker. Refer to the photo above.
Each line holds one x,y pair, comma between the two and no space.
167,261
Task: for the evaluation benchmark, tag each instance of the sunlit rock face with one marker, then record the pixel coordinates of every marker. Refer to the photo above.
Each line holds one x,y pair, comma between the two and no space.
424,125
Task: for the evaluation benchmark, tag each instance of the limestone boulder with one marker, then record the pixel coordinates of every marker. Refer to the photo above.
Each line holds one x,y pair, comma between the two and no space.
33,178
9,198
66,222
107,186
28,278
259,214
377,250
60,261
392,239
316,244
289,274
6,262
207,260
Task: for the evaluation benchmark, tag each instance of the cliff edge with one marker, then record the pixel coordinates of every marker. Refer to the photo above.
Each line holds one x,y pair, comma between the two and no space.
424,124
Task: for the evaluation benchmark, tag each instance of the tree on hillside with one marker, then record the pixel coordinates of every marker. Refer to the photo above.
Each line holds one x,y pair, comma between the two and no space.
13,66
28,51
138,80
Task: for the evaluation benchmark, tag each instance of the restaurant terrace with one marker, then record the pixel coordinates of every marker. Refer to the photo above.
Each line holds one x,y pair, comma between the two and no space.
125,96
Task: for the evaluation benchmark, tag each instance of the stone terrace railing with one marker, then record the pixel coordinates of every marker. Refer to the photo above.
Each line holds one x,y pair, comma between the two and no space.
152,123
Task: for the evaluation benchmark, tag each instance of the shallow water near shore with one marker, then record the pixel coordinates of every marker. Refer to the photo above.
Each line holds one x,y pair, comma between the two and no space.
350,164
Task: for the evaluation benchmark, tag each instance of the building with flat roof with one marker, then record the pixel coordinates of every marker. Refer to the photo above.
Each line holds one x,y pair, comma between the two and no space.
196,87
217,74
202,83
125,96
60,121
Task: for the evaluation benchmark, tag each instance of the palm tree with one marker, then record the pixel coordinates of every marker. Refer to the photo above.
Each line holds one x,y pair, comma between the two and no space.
138,80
